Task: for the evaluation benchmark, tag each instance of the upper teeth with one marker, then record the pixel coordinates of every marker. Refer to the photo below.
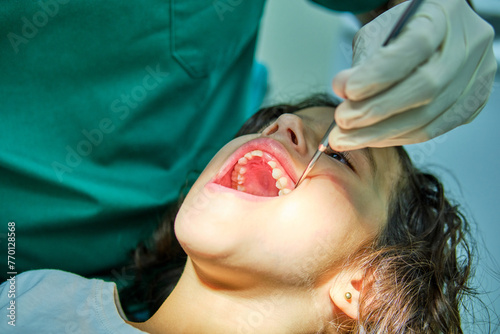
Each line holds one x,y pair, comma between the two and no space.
277,173
284,191
281,183
238,177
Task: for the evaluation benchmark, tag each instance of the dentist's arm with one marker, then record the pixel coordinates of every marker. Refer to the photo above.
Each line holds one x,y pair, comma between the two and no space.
436,75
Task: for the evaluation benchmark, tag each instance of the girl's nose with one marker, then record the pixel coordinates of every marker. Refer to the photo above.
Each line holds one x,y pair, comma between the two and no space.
289,129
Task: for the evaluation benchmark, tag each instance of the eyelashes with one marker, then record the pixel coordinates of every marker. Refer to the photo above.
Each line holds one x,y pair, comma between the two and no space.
344,157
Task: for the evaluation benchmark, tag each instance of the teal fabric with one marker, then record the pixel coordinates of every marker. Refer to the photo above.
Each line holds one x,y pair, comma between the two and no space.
359,6
106,106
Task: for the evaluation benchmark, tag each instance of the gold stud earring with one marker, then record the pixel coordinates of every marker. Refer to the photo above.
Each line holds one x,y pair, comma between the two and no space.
348,296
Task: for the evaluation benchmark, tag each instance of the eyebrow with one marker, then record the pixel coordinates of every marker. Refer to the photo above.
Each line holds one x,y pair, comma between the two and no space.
304,116
310,119
368,155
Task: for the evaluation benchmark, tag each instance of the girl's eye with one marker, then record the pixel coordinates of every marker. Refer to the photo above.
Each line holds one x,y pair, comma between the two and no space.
343,157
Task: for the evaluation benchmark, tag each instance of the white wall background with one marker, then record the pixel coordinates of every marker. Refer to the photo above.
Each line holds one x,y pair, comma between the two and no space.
303,47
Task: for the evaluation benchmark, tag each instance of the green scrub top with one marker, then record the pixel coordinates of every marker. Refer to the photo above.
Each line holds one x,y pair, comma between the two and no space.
106,107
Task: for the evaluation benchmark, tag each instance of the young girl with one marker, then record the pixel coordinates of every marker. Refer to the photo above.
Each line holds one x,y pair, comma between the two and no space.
366,244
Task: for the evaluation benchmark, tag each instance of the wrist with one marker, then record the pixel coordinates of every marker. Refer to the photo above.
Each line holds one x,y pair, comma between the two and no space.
364,18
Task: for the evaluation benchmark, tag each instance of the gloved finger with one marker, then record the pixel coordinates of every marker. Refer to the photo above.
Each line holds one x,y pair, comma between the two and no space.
467,86
420,124
339,81
470,103
449,120
425,86
380,134
388,65
372,35
482,83
440,81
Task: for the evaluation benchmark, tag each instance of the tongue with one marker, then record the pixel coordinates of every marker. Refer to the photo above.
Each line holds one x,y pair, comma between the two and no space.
259,180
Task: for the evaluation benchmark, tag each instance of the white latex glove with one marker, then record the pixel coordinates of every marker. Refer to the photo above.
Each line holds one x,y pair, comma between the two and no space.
434,76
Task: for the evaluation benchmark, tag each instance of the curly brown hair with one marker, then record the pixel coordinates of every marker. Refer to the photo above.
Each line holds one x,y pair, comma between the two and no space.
419,264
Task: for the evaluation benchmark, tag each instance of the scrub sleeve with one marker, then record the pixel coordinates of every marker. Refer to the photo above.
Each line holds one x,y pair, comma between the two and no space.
54,301
106,107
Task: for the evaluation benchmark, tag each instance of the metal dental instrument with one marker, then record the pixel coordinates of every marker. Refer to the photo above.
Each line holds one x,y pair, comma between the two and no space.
412,8
323,145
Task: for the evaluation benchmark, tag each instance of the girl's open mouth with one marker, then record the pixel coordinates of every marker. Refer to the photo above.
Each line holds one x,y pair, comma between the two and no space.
260,168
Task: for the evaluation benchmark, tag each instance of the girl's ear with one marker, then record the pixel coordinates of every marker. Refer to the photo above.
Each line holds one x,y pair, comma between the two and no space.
345,291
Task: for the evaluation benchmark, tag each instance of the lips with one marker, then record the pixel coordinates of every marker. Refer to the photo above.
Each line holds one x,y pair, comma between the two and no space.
261,167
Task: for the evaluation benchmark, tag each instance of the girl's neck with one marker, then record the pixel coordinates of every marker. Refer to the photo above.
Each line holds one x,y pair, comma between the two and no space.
195,307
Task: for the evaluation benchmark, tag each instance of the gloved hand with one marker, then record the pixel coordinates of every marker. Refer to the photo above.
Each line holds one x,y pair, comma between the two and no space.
435,75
